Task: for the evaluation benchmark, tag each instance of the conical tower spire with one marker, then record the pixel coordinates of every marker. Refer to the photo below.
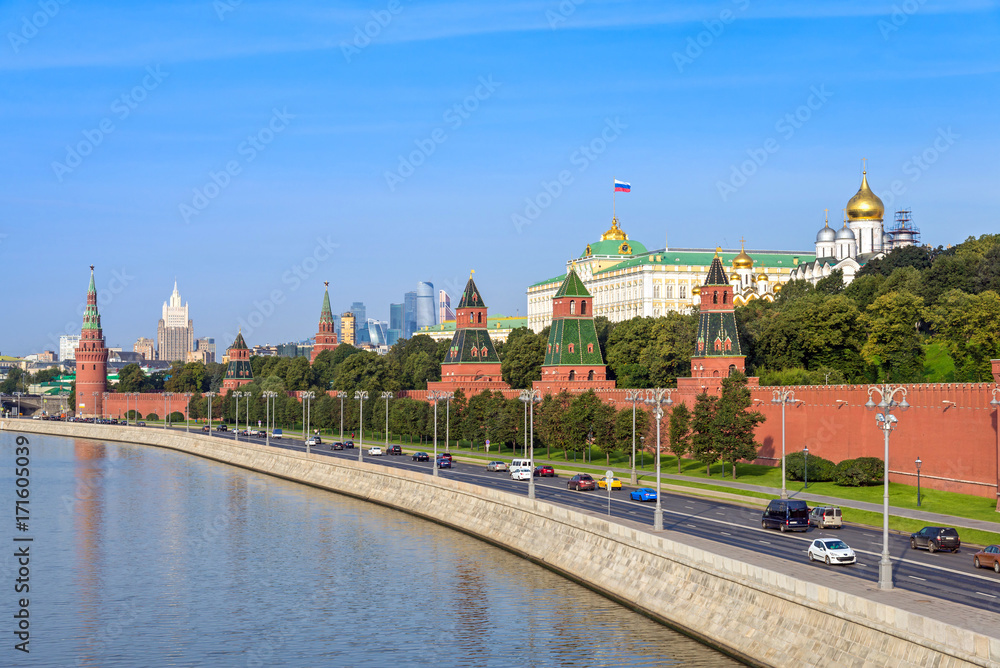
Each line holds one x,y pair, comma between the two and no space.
326,314
326,337
91,359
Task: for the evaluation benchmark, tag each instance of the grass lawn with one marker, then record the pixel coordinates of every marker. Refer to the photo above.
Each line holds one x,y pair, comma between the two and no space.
938,365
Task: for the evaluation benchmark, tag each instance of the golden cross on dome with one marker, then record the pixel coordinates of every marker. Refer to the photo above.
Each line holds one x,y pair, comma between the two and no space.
864,165
826,216
326,283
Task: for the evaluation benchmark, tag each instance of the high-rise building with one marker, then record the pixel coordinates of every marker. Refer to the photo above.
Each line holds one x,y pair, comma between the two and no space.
145,347
360,314
425,305
359,311
444,307
67,346
347,328
377,333
175,331
91,359
395,331
326,337
206,345
409,314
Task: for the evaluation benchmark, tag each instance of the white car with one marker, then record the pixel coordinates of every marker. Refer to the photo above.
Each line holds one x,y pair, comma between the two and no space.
375,451
831,551
314,440
520,473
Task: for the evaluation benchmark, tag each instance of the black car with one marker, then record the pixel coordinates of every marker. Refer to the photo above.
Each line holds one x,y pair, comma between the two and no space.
786,515
337,446
421,457
221,427
348,445
936,538
394,450
443,463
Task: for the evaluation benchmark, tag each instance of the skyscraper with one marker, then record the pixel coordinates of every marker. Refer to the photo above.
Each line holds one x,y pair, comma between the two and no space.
347,328
175,331
409,314
207,345
67,346
395,331
425,305
147,348
360,323
444,307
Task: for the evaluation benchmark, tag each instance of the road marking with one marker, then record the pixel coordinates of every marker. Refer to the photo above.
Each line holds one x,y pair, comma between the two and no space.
982,593
914,577
691,507
764,541
691,525
724,533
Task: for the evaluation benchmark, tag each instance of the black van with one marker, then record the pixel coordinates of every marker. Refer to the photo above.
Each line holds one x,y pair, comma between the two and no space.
786,514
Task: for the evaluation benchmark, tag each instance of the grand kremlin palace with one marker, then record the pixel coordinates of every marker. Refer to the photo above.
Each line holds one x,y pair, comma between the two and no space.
626,280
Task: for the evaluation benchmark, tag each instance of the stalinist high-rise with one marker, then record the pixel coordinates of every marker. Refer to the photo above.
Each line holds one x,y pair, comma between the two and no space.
175,332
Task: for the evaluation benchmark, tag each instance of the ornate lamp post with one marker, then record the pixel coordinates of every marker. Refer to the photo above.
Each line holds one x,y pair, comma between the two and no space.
805,458
918,463
104,405
886,421
658,398
387,396
530,398
307,398
96,415
361,395
236,429
784,397
268,414
436,396
166,415
341,396
447,420
635,396
18,395
187,412
210,395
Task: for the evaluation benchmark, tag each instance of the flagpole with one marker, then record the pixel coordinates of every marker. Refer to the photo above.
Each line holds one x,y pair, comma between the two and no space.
614,195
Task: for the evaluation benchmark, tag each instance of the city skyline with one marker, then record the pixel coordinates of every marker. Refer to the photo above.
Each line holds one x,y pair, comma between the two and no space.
730,121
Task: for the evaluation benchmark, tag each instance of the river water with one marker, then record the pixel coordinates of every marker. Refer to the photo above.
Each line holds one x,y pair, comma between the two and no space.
147,557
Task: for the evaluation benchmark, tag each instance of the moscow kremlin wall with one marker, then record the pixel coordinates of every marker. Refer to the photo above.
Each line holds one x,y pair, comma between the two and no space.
951,427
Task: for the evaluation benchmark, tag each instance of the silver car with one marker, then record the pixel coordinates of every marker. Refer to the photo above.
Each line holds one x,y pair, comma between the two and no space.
497,466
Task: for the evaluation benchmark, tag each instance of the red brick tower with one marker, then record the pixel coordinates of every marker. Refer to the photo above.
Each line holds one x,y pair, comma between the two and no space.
326,337
717,352
91,359
239,372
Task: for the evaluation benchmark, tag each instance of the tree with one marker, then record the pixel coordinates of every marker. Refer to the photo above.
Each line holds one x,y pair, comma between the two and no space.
624,434
131,378
735,422
590,423
680,432
625,345
667,355
365,371
917,257
893,343
969,326
703,430
16,381
832,284
550,418
523,356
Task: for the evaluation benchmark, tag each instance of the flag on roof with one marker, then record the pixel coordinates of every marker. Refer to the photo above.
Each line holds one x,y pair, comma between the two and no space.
622,187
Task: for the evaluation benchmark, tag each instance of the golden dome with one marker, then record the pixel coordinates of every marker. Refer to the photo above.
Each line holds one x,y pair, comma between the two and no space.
762,277
695,291
865,205
615,233
742,261
777,288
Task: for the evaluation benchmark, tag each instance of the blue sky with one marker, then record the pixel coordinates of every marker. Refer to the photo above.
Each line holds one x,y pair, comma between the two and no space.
376,161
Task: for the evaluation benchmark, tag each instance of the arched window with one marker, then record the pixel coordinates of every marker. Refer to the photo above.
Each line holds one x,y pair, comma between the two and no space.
715,374
725,295
715,297
480,319
590,375
484,352
732,369
572,307
475,352
590,347
572,374
571,348
583,307
472,318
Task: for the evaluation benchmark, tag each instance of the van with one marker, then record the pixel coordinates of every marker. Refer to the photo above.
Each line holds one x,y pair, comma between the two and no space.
786,515
826,517
521,463
276,433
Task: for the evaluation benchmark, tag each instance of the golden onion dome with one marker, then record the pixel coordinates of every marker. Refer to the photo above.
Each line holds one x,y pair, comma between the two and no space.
695,291
762,277
615,233
742,261
865,205
777,288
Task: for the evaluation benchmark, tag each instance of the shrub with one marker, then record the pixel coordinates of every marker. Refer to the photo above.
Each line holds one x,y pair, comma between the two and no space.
860,472
152,416
176,416
820,470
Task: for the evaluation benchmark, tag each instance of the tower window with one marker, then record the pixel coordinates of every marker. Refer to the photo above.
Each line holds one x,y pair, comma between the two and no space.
572,307
571,348
725,296
590,347
572,374
715,297
583,307
590,375
480,318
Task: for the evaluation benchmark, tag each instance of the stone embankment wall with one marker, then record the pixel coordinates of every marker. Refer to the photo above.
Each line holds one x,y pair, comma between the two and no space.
760,615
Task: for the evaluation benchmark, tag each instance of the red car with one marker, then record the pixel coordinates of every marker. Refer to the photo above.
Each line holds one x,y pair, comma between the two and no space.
445,455
545,471
582,482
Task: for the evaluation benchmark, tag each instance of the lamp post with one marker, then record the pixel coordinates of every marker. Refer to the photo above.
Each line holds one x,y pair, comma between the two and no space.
210,395
307,398
918,463
436,396
530,398
127,395
361,395
447,420
784,397
805,457
635,396
236,427
104,405
166,395
187,412
268,414
341,396
886,421
387,396
658,398
996,404
98,417
247,395
18,395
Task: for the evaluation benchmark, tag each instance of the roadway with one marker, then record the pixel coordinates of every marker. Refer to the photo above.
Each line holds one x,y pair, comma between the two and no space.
943,575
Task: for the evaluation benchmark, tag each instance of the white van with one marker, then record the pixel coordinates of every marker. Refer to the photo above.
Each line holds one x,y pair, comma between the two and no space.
518,463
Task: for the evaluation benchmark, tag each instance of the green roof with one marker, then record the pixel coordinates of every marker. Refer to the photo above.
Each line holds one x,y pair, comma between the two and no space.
716,274
326,315
717,335
627,248
471,297
239,343
704,259
557,279
466,341
572,287
578,333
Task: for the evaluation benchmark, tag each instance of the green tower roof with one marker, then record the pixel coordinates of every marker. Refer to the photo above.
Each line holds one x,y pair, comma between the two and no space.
572,286
239,343
716,274
471,297
326,315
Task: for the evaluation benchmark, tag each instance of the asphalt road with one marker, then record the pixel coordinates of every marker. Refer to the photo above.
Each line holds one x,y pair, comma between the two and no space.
943,575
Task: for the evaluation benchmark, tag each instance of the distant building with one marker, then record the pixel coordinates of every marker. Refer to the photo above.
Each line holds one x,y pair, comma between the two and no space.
145,347
499,327
198,356
444,307
206,344
91,360
67,346
47,356
426,313
395,331
347,328
409,314
326,336
175,331
264,351
293,350
377,333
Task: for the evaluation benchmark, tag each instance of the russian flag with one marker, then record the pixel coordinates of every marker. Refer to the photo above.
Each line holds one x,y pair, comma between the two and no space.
622,187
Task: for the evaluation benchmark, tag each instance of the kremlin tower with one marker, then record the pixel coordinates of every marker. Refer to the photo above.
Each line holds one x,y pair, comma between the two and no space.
91,359
239,372
326,337
717,350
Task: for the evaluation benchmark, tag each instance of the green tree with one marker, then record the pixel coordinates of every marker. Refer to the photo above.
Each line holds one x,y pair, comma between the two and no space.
832,284
16,381
523,356
189,377
131,378
365,371
703,445
680,432
625,345
969,326
735,422
624,434
551,422
893,343
917,257
671,343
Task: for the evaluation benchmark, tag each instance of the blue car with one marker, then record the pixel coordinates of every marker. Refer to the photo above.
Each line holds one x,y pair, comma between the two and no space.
443,463
643,494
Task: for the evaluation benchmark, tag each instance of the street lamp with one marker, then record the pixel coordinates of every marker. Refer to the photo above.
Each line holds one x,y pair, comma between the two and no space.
530,398
886,421
104,405
187,412
447,420
436,396
387,396
361,395
98,417
18,395
635,396
658,398
236,427
210,395
166,395
918,463
307,398
268,414
805,456
784,397
341,396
